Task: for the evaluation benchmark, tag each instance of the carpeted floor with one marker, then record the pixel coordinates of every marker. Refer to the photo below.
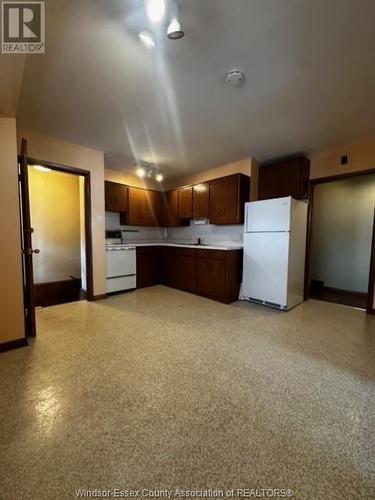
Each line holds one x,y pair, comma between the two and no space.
160,389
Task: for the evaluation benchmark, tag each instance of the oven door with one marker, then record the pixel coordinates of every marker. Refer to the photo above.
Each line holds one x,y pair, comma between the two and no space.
121,261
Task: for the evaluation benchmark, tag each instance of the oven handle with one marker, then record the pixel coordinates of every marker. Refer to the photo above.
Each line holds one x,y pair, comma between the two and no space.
119,249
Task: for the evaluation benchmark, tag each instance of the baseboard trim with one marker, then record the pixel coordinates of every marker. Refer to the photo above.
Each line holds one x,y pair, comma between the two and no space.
13,344
99,297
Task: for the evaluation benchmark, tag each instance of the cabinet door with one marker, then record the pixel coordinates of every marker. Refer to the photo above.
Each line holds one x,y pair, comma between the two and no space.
228,196
201,200
185,203
148,216
224,200
285,178
211,277
155,200
148,266
136,207
116,197
182,269
171,208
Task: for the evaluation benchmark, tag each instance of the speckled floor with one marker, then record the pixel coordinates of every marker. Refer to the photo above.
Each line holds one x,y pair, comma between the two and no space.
159,389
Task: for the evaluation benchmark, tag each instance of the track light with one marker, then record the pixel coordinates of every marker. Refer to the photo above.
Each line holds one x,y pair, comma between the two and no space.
143,169
155,10
174,31
141,172
147,38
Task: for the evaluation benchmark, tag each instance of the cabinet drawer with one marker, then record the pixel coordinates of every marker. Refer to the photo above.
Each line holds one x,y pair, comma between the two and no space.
187,252
212,254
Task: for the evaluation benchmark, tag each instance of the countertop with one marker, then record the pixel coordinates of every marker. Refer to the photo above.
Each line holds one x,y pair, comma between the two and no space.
225,246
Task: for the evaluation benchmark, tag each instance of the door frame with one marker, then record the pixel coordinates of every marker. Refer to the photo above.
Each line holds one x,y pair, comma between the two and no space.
88,217
27,250
321,180
371,287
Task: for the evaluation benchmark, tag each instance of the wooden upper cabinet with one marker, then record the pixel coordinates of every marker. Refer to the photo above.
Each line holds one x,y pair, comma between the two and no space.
284,178
136,207
185,203
201,200
145,207
116,197
228,196
171,208
155,208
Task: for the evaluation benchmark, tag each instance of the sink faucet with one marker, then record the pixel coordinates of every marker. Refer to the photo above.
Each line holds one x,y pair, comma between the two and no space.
199,241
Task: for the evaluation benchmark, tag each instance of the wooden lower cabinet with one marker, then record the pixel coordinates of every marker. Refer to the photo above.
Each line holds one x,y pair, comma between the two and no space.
149,270
212,276
219,274
180,267
215,274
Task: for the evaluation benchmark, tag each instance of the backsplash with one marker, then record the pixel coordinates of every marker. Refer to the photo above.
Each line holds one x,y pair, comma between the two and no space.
208,233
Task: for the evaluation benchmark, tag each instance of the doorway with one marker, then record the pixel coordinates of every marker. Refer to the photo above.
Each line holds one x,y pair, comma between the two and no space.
55,203
56,213
341,240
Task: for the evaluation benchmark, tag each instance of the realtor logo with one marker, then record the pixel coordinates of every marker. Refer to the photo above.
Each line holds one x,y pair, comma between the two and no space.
23,27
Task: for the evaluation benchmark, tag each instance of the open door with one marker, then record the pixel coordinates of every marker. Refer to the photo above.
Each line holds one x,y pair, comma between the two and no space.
371,287
27,249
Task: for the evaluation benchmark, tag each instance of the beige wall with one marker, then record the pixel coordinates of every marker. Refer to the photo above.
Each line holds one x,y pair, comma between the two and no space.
11,292
131,180
242,166
46,148
11,71
361,156
55,217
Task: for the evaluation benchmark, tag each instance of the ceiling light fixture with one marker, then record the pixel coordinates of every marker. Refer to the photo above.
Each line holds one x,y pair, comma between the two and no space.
141,172
155,10
40,168
144,169
174,30
147,38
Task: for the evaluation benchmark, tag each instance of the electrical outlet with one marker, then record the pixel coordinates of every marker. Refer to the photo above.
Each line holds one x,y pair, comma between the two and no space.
344,160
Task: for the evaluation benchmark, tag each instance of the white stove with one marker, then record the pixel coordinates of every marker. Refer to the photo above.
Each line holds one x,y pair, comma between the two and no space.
121,263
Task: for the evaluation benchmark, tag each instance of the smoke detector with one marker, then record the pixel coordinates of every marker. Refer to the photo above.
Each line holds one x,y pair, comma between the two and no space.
235,78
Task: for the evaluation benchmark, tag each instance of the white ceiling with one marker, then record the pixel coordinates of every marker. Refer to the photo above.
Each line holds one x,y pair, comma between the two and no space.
310,80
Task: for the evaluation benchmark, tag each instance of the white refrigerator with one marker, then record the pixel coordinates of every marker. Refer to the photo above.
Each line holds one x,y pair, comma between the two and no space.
274,252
